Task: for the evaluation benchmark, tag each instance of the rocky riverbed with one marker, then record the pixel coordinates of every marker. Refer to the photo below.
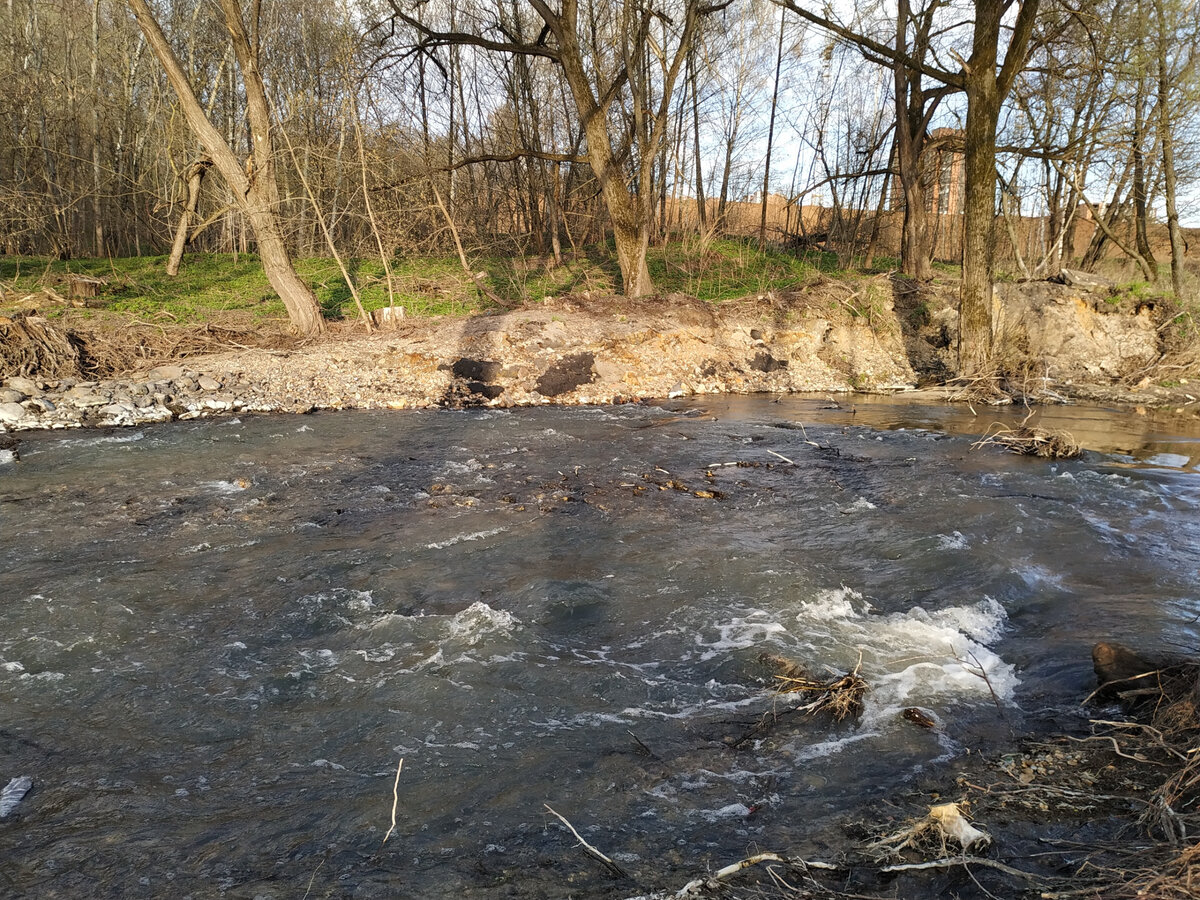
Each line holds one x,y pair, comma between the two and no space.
582,350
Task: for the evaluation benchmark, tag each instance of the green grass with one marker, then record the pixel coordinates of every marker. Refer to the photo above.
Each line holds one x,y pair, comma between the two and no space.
212,284
208,285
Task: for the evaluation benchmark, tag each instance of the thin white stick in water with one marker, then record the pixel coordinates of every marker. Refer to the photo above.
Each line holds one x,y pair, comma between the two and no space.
395,801
784,458
612,866
699,886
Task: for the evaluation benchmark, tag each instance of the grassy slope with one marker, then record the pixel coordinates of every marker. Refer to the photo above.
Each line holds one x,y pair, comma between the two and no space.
213,284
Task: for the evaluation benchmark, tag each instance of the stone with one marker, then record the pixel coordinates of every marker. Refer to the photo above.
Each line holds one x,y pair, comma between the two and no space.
26,386
11,395
165,373
40,404
11,413
608,372
207,383
117,414
85,397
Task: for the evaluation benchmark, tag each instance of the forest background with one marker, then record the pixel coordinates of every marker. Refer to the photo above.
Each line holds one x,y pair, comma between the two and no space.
452,154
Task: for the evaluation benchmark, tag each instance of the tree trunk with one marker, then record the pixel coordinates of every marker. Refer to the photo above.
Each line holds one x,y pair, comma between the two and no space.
632,243
916,250
986,89
762,225
195,178
1167,142
1140,212
303,311
701,205
877,222
254,187
979,238
97,202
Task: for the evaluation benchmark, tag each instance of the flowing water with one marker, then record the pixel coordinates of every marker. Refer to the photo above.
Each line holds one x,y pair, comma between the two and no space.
220,638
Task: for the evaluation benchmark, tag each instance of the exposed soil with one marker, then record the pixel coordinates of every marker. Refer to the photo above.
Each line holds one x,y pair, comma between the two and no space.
876,334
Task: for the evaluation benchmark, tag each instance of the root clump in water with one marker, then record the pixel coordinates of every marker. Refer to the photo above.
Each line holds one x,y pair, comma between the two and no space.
1029,440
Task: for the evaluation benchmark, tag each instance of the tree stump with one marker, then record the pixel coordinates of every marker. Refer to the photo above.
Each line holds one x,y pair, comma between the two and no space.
84,290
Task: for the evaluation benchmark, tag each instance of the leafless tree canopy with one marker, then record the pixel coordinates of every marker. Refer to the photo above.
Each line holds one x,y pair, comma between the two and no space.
1034,133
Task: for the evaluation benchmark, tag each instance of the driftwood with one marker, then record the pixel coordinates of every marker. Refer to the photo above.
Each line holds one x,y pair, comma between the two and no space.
841,697
612,867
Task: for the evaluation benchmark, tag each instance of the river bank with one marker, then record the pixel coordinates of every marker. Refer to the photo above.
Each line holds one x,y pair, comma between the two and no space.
1058,342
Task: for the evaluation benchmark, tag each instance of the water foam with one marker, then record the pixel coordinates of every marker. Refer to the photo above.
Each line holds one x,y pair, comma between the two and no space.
460,538
479,621
919,656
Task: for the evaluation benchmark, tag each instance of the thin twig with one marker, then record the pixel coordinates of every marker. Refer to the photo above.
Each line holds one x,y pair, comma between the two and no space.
608,863
949,861
395,801
308,890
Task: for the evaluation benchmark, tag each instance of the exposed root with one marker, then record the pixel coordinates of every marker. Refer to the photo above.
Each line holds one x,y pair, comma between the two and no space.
31,345
929,835
1178,878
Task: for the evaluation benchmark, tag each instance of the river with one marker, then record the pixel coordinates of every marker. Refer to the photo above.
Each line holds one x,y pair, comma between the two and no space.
221,638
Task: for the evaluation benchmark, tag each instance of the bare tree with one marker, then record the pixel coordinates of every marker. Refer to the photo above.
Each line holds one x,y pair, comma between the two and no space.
620,64
986,76
254,187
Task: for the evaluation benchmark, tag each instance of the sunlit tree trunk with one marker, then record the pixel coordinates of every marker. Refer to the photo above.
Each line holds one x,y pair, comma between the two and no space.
254,187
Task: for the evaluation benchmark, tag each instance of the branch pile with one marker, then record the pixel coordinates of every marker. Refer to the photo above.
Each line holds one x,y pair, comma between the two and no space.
841,696
30,345
1030,441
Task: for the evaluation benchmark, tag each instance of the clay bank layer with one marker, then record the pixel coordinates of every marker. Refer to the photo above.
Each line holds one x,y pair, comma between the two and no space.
583,350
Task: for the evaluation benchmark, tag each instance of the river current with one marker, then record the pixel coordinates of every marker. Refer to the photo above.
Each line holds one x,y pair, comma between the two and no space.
219,639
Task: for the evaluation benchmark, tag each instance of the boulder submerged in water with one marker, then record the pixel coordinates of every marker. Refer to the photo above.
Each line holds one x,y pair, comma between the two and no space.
1116,663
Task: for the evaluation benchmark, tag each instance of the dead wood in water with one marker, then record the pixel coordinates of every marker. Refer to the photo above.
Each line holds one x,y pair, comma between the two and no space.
1029,440
840,697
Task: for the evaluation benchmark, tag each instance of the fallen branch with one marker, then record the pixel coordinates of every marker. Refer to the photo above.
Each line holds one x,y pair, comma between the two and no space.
949,861
592,851
1030,441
